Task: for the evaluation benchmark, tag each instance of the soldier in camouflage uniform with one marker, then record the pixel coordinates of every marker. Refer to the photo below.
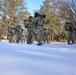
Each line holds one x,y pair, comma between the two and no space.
18,33
74,30
10,33
39,28
70,33
29,25
46,35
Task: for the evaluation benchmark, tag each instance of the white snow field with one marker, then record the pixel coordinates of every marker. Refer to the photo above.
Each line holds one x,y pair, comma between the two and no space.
50,59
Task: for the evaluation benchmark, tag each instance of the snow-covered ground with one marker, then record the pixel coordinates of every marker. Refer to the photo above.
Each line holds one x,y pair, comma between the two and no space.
50,59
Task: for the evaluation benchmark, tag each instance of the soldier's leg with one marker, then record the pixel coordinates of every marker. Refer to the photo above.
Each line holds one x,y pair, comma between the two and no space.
69,34
47,39
31,37
21,39
28,37
73,37
10,38
39,36
13,38
17,38
44,39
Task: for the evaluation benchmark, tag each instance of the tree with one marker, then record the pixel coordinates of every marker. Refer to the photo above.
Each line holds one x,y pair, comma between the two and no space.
12,11
54,21
68,10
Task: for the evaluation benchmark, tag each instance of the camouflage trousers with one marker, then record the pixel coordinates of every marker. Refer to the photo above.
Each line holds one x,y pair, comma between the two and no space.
46,38
29,35
39,34
10,37
71,36
18,38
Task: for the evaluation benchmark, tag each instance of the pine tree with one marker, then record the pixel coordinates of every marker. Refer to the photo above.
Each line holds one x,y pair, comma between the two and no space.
12,11
54,21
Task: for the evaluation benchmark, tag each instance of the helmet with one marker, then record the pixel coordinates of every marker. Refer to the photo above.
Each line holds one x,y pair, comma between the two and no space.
36,14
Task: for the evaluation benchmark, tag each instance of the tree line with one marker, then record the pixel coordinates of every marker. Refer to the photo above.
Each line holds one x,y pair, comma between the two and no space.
57,12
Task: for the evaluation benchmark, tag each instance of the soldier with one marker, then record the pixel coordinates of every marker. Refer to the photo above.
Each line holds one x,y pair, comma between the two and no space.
40,20
46,35
69,28
29,25
0,35
10,33
74,30
18,33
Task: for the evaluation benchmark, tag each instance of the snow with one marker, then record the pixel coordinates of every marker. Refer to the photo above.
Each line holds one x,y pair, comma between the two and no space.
55,58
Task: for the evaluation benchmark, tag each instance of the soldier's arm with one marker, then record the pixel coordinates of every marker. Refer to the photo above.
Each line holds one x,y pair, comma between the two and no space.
45,21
